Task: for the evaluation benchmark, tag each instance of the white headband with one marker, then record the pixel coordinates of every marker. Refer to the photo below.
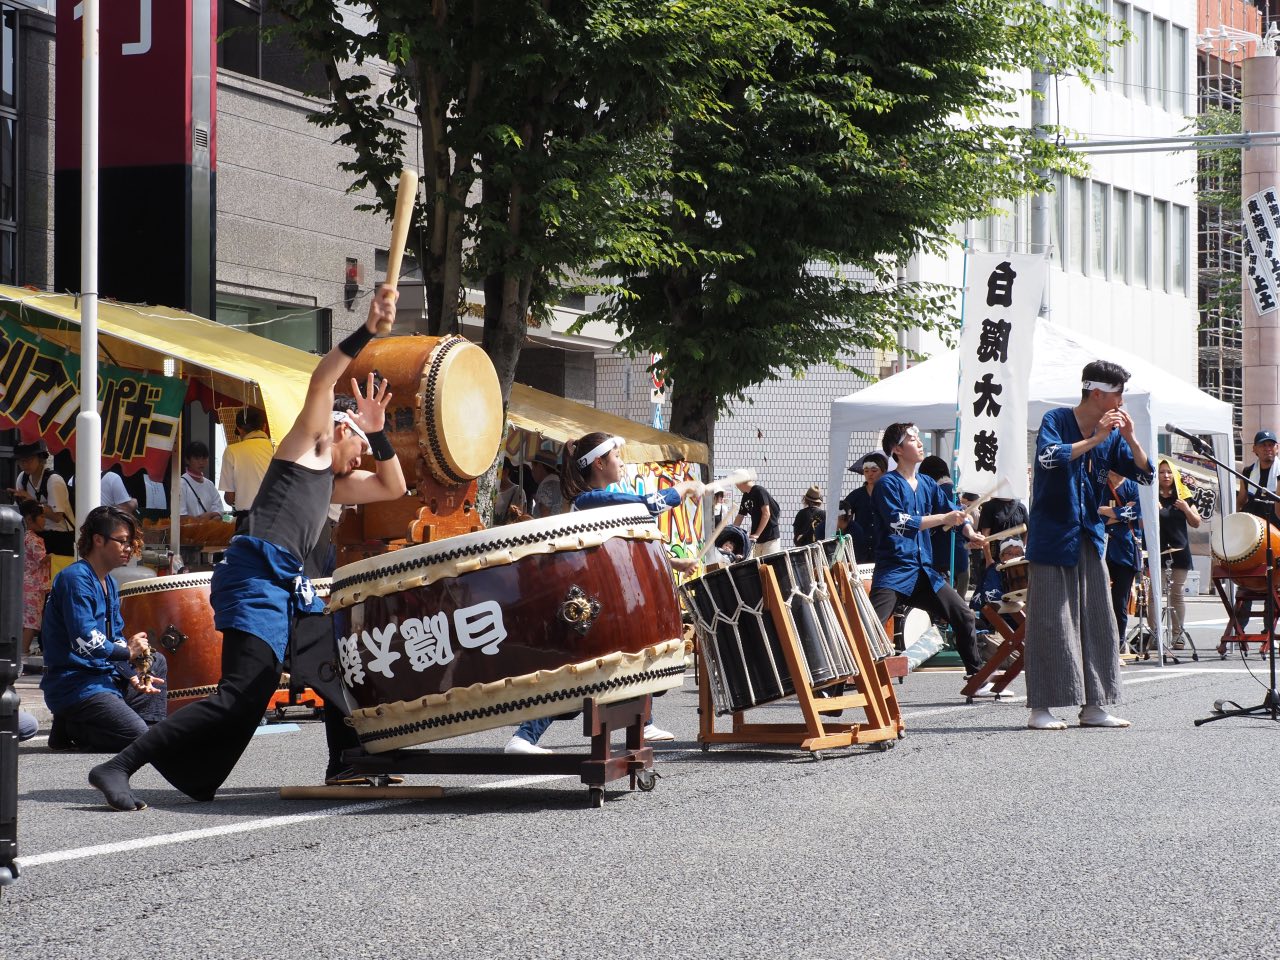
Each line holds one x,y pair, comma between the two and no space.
599,451
1104,387
341,416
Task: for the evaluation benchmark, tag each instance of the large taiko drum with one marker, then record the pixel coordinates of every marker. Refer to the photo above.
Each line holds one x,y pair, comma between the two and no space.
446,407
739,642
492,628
1239,543
177,617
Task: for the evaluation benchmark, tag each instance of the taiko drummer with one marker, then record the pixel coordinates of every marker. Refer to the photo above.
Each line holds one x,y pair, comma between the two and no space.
260,584
588,469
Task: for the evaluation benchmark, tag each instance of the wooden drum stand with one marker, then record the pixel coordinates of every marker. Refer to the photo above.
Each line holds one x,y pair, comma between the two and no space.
1003,666
875,694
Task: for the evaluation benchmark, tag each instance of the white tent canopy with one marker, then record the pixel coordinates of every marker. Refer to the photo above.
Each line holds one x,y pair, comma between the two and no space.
926,394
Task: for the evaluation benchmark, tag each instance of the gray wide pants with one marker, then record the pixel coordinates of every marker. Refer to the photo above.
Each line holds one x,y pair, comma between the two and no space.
1072,648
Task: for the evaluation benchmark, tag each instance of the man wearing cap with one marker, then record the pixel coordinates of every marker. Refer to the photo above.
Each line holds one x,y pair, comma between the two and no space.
1072,650
1265,472
759,504
811,521
857,507
37,481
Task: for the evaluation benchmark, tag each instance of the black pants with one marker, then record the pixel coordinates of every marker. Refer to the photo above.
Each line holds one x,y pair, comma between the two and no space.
102,723
197,748
1121,586
946,604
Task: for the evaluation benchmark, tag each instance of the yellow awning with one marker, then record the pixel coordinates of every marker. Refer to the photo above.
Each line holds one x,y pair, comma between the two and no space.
256,371
274,376
558,419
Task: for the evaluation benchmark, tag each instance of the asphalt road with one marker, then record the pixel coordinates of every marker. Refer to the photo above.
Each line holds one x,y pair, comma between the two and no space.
974,837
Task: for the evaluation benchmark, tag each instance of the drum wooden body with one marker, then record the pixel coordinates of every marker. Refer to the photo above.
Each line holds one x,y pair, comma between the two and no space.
177,617
1239,543
739,642
1014,576
493,628
446,410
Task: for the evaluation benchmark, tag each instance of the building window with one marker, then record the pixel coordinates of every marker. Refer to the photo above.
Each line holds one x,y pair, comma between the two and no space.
10,199
1160,92
1181,70
1118,76
1119,235
1139,73
297,326
243,49
1178,262
1075,224
1140,245
1054,201
1159,244
1098,229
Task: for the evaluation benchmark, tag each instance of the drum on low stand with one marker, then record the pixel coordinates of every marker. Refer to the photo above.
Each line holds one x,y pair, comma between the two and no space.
499,626
740,644
1014,577
1239,543
177,617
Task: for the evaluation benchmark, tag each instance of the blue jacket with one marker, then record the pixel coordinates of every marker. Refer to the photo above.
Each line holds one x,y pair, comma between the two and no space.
82,637
1121,549
257,587
1066,493
902,548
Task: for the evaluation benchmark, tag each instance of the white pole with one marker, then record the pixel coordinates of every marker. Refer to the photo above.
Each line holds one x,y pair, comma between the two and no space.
88,423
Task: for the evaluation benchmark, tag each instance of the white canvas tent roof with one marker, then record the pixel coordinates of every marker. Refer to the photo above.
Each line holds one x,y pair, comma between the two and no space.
926,394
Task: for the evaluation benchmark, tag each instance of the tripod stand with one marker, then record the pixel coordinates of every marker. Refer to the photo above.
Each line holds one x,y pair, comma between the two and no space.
1270,705
1141,639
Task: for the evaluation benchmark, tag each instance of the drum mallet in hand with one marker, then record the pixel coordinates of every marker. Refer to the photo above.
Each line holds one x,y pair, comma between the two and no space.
406,193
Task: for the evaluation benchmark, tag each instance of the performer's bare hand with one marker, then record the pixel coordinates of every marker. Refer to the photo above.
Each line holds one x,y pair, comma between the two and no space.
684,564
149,685
953,518
371,405
382,308
138,645
692,489
975,537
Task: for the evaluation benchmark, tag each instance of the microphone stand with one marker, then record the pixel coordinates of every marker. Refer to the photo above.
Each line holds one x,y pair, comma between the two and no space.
1270,705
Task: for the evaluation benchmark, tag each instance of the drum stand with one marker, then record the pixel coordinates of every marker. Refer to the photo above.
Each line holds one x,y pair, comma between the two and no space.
596,769
1235,631
875,692
1143,637
1003,666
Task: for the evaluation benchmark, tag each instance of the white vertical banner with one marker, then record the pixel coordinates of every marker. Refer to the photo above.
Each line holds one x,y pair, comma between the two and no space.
1001,302
1261,249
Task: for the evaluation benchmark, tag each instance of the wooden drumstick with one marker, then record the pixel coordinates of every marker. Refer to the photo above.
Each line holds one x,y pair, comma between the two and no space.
1011,532
406,194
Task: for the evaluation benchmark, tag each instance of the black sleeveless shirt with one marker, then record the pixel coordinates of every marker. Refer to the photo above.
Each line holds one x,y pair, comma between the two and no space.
292,506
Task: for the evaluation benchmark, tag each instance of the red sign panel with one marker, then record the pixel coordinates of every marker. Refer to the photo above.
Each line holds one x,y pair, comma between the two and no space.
145,83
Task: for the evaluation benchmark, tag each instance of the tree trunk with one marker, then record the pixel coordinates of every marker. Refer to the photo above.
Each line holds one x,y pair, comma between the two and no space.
693,415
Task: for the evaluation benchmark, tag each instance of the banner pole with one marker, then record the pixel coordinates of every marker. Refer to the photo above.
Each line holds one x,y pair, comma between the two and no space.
88,423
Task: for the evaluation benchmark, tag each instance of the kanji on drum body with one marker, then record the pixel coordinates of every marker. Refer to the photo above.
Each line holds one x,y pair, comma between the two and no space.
425,641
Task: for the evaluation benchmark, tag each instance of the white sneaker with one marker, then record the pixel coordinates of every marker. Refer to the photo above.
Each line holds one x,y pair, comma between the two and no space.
655,733
518,744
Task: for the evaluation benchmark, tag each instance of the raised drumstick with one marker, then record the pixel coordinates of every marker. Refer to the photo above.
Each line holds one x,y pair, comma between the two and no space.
406,193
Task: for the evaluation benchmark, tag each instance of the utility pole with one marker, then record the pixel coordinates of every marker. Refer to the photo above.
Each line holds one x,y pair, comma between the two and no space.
1040,239
1259,166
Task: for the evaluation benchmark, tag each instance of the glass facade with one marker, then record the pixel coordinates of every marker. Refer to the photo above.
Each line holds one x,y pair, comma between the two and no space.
10,131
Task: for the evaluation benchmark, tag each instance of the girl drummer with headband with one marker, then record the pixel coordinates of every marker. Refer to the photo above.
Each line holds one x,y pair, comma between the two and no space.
588,469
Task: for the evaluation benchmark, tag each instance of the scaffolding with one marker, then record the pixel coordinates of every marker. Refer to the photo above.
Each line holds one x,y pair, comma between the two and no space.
1220,226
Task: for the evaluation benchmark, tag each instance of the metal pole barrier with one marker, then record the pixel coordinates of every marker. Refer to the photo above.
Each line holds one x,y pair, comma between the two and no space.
11,557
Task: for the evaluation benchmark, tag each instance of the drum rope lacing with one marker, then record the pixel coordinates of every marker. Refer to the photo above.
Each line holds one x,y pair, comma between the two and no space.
151,586
479,713
490,546
816,596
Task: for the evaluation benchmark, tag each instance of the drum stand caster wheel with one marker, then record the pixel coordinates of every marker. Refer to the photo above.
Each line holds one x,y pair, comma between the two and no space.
884,746
706,748
646,780
817,755
595,797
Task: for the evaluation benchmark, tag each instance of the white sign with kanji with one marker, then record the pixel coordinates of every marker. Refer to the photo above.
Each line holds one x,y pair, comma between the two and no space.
1262,249
1001,302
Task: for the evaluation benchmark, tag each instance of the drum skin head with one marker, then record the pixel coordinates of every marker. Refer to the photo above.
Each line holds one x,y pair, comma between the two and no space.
461,425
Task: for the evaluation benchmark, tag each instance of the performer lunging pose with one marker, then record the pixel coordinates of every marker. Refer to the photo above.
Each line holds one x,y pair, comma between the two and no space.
1072,648
260,583
908,505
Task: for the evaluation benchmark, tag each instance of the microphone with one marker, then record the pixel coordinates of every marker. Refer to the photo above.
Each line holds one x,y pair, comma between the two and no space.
1196,442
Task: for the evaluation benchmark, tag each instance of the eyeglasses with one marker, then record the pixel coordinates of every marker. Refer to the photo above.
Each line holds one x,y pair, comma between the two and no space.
123,541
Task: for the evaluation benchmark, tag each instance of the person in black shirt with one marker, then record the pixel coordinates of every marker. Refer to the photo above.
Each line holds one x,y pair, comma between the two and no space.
1265,472
860,517
811,522
758,504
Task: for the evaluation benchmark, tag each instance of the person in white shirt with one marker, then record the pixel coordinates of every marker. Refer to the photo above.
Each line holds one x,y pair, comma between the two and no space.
548,501
200,497
245,463
115,494
37,481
